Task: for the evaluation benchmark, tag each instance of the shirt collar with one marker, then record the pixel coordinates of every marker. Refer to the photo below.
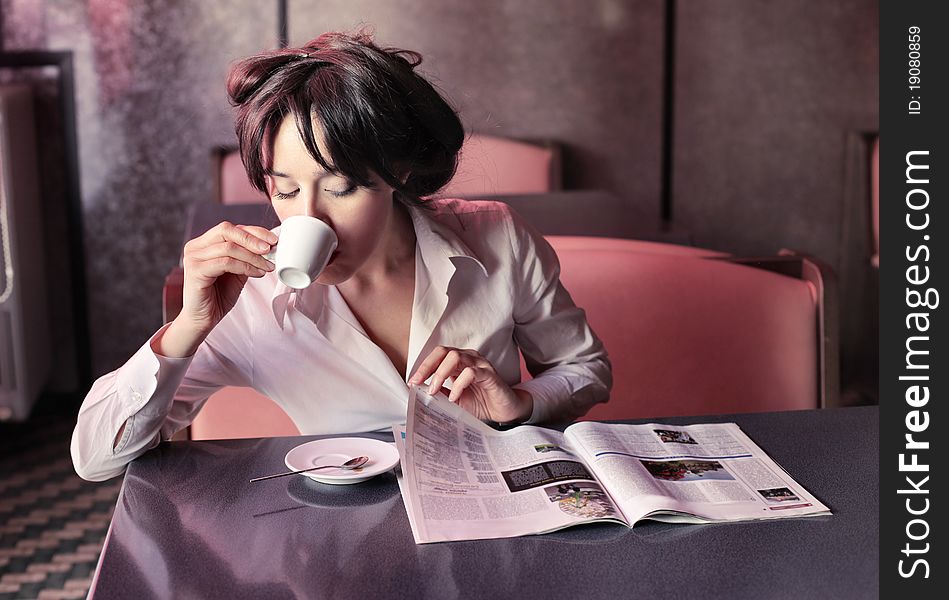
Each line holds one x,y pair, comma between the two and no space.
437,243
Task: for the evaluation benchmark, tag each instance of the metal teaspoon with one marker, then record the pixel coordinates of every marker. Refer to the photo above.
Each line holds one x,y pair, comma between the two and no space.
352,463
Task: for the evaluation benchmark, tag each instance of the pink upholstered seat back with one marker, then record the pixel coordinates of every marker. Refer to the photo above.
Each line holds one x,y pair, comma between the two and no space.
494,165
689,335
233,185
570,243
238,412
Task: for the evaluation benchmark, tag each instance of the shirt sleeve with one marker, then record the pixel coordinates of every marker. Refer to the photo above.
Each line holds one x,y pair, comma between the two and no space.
154,396
570,368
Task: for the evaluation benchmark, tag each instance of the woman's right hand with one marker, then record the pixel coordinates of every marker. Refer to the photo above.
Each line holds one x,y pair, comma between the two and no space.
216,267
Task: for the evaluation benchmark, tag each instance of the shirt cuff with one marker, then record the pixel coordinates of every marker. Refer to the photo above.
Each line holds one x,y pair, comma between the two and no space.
145,374
545,391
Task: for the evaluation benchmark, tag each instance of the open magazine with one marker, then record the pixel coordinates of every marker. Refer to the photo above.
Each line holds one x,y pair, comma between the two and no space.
462,480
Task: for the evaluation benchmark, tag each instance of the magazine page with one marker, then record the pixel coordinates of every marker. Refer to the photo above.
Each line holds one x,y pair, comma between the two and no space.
398,434
463,480
710,472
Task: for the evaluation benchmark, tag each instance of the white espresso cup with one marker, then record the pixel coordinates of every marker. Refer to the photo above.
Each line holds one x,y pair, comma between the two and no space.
305,246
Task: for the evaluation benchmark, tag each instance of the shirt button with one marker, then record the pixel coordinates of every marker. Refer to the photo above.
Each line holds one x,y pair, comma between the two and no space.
136,396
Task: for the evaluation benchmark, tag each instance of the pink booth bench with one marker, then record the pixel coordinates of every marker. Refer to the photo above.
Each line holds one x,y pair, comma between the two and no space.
689,332
693,332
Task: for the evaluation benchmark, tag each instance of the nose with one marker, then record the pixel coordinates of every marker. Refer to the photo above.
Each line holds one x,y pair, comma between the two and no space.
313,208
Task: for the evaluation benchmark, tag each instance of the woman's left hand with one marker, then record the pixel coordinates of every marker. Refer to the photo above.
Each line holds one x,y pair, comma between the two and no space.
477,386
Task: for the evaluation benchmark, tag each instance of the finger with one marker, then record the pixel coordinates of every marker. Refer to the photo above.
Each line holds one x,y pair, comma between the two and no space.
228,232
209,237
464,379
242,237
210,270
451,365
228,248
428,365
474,358
232,250
261,233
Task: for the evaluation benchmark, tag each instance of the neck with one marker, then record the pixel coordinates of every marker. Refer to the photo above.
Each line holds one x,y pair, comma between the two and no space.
393,257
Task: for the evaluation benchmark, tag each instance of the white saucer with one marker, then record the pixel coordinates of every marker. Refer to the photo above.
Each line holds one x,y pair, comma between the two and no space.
335,451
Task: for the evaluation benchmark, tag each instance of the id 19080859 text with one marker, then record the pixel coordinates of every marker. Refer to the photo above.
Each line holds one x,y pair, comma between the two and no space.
914,59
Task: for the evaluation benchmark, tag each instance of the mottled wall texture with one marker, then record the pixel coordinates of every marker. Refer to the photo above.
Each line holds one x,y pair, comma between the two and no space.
766,93
150,104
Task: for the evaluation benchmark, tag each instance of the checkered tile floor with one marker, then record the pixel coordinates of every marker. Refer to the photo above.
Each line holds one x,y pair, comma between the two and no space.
52,523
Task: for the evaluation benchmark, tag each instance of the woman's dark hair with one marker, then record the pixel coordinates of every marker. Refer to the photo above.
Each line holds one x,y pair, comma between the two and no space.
376,112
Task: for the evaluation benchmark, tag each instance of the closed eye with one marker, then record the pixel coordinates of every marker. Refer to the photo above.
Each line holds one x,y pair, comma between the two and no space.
284,196
339,194
336,193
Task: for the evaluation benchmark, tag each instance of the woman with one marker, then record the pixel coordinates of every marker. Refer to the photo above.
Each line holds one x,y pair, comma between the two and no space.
437,291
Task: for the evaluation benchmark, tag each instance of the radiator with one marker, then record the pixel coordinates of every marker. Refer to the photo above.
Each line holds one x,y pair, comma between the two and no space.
25,355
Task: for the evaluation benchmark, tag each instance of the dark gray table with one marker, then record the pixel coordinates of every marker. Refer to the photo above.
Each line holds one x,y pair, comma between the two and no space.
189,525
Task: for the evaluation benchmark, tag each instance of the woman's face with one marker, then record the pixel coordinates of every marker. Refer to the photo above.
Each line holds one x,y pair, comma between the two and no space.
361,217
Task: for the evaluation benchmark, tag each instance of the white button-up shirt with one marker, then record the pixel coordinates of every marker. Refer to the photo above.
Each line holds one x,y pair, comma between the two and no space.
484,280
